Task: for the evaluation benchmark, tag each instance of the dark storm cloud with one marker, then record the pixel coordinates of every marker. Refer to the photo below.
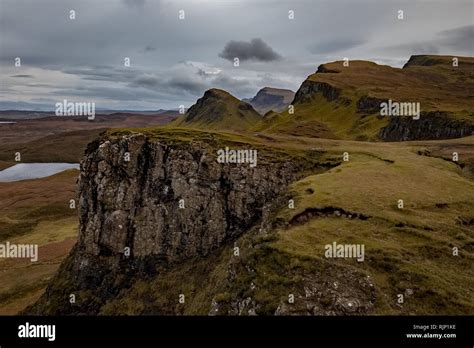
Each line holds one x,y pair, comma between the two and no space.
256,49
336,45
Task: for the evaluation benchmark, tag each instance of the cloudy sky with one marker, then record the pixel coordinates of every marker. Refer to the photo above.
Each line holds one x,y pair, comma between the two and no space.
173,61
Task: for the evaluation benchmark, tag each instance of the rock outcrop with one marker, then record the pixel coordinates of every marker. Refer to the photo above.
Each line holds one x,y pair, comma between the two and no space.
146,204
309,88
170,202
431,125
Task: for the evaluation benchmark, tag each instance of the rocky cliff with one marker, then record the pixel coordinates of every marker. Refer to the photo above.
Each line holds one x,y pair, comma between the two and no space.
431,125
147,203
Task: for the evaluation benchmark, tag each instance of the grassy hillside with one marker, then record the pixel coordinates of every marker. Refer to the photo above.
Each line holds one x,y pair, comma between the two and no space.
408,251
35,212
343,101
218,109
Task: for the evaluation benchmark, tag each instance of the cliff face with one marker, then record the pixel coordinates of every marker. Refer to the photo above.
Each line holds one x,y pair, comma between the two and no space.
309,88
171,202
431,125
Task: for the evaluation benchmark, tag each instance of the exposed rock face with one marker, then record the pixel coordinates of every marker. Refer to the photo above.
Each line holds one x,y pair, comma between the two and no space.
345,294
135,205
309,88
369,105
431,125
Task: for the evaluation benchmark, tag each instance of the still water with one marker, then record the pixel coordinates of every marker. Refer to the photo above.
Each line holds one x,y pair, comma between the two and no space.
25,171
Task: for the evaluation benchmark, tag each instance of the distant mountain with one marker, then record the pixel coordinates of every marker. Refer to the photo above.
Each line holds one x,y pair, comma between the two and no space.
218,109
271,99
345,101
25,106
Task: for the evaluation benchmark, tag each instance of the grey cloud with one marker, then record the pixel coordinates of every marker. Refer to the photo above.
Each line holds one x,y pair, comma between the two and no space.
454,40
190,81
188,85
102,73
412,48
108,93
336,45
458,38
256,49
134,3
23,76
40,85
146,81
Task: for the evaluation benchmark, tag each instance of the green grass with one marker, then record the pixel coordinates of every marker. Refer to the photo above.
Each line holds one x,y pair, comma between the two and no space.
406,250
439,87
415,255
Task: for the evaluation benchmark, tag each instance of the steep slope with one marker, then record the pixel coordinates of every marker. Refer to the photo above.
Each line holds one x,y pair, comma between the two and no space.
218,109
271,99
346,100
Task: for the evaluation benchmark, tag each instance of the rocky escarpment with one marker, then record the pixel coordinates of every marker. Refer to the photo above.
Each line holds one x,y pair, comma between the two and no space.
168,202
431,125
309,88
369,105
147,204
